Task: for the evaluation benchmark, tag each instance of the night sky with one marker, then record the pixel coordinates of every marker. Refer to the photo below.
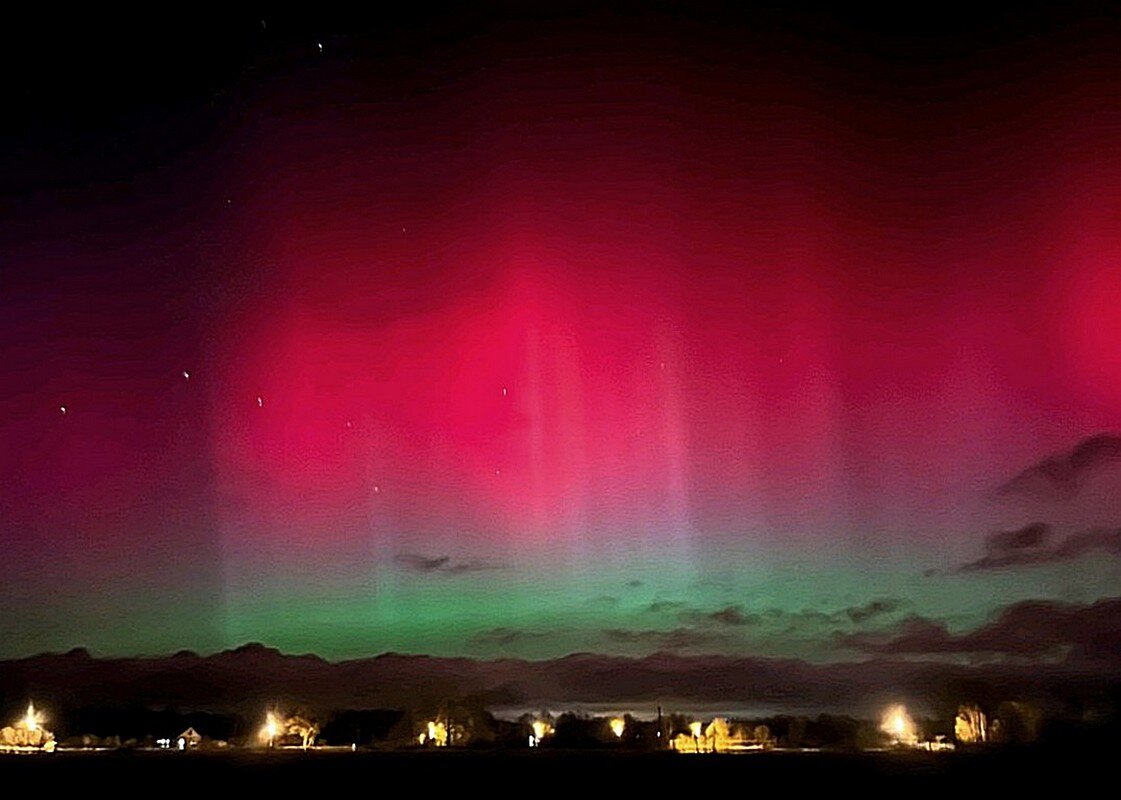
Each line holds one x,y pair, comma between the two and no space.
509,333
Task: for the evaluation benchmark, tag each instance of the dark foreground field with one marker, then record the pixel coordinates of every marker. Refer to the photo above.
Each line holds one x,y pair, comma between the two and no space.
150,774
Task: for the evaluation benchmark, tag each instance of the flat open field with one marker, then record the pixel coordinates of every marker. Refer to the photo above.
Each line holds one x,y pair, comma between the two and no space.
149,773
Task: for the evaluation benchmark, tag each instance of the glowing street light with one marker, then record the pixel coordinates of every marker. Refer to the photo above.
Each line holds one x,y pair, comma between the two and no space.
897,724
33,718
538,730
270,730
695,729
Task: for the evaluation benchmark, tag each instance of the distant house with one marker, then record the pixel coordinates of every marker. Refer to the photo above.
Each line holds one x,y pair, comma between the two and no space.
188,739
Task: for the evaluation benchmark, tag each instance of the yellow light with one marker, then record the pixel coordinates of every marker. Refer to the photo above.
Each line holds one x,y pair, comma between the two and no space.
420,739
437,733
898,725
32,719
541,729
971,725
695,729
271,728
618,726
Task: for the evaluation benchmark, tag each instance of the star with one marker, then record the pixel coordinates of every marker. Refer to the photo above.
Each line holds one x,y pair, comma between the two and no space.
63,410
320,46
503,391
349,424
498,472
260,402
377,489
186,375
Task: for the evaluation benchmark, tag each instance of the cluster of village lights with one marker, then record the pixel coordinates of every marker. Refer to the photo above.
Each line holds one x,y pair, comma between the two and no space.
971,726
434,733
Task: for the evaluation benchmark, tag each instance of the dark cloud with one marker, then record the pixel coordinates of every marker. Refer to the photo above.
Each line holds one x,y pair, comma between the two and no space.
795,621
504,637
729,615
634,584
442,565
1108,541
1030,629
875,608
1031,546
810,619
1015,541
1061,475
673,640
1013,547
419,563
914,634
